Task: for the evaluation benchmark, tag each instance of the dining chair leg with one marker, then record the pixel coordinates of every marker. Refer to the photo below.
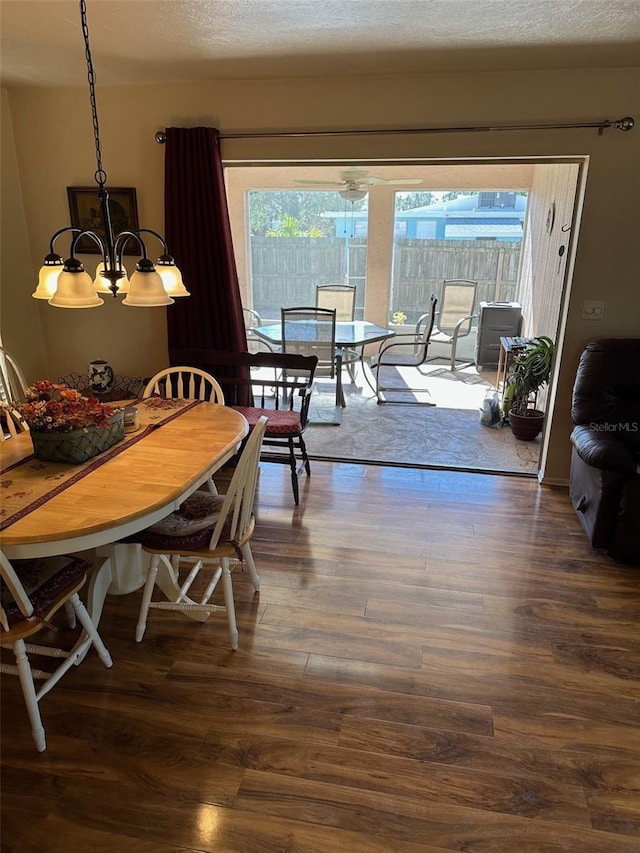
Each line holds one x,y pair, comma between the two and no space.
70,614
152,573
248,558
29,693
293,466
85,620
227,588
305,457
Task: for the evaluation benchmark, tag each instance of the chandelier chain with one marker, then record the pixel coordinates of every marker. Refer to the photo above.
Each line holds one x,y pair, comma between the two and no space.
101,175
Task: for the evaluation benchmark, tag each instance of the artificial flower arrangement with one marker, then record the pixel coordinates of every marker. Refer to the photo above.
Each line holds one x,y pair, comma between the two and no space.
54,407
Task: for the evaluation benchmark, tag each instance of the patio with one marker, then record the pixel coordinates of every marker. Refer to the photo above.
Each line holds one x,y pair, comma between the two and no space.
448,435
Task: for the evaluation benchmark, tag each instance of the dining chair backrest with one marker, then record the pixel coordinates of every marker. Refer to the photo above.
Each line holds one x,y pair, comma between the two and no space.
187,383
235,521
11,422
342,297
13,385
311,331
457,302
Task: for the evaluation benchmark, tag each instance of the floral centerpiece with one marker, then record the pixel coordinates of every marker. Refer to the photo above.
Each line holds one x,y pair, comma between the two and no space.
67,426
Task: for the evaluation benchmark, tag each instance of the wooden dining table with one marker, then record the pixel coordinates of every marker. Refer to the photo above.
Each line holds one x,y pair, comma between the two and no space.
51,508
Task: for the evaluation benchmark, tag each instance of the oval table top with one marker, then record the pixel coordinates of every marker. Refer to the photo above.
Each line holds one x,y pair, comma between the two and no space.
140,485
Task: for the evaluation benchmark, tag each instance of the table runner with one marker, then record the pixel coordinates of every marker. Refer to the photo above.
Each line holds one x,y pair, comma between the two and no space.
26,485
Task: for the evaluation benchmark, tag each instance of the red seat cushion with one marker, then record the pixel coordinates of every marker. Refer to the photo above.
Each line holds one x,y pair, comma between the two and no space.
279,422
44,580
189,528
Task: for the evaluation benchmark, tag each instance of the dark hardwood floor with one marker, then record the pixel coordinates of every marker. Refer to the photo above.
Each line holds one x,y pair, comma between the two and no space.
436,661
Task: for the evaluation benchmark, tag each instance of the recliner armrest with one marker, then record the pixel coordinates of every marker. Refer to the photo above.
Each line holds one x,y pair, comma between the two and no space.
602,450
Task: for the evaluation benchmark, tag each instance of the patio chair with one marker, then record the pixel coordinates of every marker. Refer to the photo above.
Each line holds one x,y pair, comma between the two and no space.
311,331
251,320
342,297
32,591
454,318
392,353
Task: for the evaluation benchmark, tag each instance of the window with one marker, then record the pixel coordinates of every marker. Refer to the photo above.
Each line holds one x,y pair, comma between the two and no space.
300,239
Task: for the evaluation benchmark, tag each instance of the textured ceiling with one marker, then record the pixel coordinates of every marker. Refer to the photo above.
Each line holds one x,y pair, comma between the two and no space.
145,41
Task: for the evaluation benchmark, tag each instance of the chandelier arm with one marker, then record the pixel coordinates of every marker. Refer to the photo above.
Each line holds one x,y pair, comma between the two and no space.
86,233
120,243
55,236
155,234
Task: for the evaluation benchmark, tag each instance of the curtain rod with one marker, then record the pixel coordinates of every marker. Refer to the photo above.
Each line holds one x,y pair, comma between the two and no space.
623,124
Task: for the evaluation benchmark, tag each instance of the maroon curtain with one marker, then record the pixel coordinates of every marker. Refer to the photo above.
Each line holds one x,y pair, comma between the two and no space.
198,235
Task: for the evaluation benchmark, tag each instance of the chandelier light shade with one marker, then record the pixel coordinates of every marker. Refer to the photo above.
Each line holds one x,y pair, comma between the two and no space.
48,278
101,284
75,288
146,290
65,284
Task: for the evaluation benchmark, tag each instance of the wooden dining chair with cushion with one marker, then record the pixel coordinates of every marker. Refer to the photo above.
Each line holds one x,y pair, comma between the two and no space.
342,297
213,530
455,315
186,383
274,384
31,592
393,353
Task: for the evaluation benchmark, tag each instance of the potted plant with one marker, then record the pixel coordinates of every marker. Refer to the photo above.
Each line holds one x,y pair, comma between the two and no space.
65,426
528,372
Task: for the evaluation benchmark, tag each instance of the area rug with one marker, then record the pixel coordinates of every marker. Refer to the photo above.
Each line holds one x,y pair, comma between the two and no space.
447,435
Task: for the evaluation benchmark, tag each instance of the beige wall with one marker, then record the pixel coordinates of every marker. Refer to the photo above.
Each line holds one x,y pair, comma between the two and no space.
20,327
54,148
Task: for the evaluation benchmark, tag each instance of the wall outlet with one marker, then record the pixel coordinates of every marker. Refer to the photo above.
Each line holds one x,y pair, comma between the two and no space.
593,310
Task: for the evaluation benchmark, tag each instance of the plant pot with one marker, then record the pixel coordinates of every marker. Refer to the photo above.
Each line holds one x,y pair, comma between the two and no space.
528,426
79,445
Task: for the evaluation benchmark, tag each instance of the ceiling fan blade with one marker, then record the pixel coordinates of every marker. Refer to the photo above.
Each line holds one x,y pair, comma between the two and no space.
407,181
322,183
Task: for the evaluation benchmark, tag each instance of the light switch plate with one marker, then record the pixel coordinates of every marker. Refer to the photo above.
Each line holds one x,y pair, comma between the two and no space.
593,310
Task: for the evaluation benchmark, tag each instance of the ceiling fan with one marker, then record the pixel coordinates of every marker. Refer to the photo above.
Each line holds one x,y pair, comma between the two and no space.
353,182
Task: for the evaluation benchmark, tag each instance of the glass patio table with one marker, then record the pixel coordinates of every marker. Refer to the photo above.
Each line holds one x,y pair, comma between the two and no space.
351,334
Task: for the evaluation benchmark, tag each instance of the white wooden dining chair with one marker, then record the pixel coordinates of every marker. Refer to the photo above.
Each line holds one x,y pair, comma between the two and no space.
31,591
186,383
212,529
13,385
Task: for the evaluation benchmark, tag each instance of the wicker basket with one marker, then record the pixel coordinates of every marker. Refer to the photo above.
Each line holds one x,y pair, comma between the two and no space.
81,444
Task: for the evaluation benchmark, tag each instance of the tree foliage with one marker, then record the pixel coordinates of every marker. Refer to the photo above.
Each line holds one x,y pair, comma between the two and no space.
409,201
294,213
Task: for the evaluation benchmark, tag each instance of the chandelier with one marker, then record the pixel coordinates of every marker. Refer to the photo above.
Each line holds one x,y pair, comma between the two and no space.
65,284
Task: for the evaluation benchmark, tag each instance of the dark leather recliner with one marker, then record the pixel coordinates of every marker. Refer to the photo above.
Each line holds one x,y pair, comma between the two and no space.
605,458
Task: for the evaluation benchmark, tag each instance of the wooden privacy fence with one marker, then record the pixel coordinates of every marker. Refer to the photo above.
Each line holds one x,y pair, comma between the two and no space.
286,270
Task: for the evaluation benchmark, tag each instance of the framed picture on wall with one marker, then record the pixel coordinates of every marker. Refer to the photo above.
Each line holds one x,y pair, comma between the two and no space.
84,207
